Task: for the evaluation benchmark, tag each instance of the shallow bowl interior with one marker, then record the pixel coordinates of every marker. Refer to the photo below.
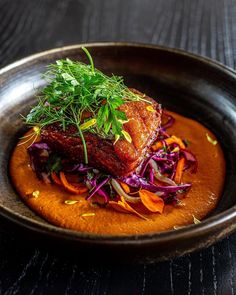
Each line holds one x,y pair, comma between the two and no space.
190,85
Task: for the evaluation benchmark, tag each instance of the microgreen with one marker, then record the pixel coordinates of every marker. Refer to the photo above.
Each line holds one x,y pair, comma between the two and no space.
75,88
35,194
70,202
212,141
87,214
195,220
54,163
186,142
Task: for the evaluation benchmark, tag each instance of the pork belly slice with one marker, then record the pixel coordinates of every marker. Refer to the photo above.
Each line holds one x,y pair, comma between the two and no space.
120,159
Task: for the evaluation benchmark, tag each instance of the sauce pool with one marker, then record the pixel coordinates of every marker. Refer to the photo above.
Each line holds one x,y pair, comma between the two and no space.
207,186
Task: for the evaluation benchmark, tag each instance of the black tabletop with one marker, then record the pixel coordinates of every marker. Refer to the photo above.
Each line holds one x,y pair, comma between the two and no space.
206,27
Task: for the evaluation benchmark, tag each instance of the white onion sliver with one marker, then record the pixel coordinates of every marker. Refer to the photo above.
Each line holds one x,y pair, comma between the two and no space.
159,176
122,193
159,194
45,177
89,186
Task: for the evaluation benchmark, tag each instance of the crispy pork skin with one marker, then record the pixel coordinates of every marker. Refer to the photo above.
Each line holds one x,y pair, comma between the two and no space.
118,159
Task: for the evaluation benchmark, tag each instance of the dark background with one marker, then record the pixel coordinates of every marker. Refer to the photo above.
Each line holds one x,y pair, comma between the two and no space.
206,27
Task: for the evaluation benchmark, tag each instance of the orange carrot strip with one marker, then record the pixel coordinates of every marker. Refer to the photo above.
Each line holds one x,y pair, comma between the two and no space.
151,201
125,187
157,146
118,206
70,187
170,140
55,178
179,170
124,207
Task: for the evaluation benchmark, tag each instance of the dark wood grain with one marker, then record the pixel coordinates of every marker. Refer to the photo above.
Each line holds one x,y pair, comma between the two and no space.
206,27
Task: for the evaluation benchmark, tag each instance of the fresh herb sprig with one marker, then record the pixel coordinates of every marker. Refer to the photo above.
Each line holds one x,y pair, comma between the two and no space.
75,88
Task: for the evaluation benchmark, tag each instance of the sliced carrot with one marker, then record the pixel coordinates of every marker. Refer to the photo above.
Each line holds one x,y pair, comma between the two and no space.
55,178
168,141
71,188
124,207
151,201
119,206
77,185
73,178
125,187
157,146
179,170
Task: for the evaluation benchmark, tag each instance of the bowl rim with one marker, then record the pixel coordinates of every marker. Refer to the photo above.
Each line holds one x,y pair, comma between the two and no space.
210,224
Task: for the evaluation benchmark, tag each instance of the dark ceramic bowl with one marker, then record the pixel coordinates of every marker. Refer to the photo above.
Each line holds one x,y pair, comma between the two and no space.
191,85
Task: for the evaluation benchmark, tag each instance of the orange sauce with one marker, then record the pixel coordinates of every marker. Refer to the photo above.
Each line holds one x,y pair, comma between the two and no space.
207,186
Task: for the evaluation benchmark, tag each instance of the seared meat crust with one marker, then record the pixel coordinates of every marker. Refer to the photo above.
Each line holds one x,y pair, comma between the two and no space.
118,159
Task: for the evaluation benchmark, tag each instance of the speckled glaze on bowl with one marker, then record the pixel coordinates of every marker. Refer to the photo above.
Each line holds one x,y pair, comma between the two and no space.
191,85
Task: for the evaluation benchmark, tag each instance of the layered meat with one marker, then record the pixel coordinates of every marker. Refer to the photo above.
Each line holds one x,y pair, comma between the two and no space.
121,158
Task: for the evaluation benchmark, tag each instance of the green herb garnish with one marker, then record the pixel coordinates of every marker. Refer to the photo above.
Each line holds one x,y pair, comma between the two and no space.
54,163
71,202
76,88
186,142
212,141
35,194
195,220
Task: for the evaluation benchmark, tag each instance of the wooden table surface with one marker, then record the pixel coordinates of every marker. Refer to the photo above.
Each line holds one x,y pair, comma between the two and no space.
206,27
